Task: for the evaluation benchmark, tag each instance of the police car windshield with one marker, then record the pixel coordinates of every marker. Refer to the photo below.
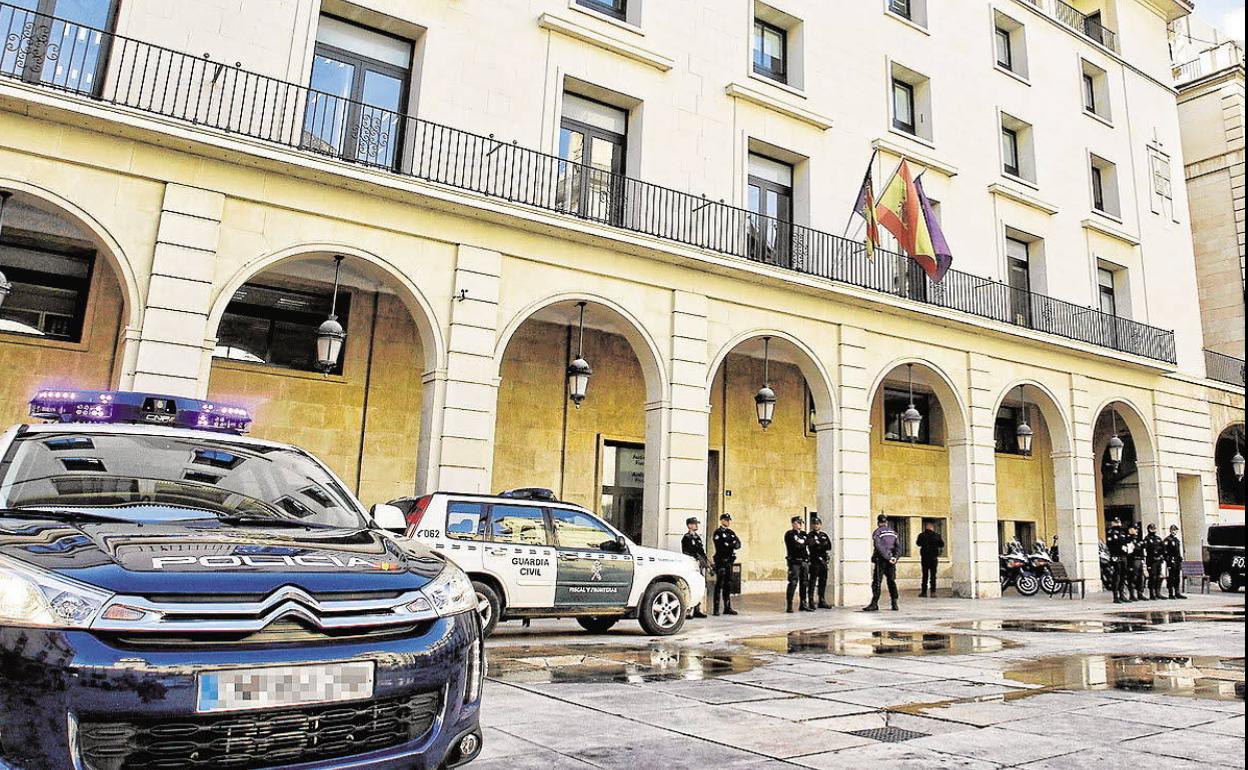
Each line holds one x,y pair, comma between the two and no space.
143,477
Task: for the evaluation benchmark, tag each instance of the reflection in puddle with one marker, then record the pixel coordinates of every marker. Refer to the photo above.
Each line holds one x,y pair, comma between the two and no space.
863,643
1169,617
1199,677
613,664
1054,626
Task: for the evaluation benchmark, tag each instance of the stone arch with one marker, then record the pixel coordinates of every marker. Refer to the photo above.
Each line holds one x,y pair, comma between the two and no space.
935,377
816,374
1148,468
1136,422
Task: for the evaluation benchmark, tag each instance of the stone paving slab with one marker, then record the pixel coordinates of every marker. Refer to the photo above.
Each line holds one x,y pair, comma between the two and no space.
1076,725
1101,758
801,709
1003,747
1225,750
1168,714
894,756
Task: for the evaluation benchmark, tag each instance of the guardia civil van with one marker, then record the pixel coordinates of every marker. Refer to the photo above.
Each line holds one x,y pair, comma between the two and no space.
530,555
174,594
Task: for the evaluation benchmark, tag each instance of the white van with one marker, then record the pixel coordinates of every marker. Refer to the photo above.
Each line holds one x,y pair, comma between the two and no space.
532,556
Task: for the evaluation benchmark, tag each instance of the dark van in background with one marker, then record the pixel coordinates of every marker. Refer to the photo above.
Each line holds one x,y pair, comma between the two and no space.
1224,556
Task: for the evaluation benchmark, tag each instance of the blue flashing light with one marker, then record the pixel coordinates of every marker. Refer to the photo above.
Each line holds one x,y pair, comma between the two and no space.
120,407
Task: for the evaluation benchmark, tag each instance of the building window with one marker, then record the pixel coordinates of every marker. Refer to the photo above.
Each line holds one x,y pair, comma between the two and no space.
1104,179
770,202
1094,83
1009,150
1107,291
624,487
358,94
913,11
896,402
1005,49
49,289
277,326
903,106
771,46
1010,44
57,42
592,142
901,525
938,526
1018,259
901,8
1006,431
615,8
911,103
1018,157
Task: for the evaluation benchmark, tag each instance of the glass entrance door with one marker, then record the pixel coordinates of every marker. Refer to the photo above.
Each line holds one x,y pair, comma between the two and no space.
624,487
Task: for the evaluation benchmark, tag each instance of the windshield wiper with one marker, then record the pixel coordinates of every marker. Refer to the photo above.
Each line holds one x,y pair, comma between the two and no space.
61,514
252,520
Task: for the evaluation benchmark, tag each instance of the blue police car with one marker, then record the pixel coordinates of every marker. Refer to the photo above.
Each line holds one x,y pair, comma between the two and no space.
174,594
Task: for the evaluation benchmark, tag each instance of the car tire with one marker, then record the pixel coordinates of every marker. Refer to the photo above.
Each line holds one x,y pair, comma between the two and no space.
1226,581
598,625
492,606
662,610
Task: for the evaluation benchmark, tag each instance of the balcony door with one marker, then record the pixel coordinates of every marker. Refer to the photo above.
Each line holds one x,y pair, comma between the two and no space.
59,43
771,211
1018,255
358,94
592,142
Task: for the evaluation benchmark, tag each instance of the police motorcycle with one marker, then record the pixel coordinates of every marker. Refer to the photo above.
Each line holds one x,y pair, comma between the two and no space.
1041,563
1016,571
1107,564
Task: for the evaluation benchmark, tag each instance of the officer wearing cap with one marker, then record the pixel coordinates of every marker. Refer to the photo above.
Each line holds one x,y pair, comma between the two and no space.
885,552
820,547
1154,557
691,545
1136,585
726,545
797,555
1174,563
1119,544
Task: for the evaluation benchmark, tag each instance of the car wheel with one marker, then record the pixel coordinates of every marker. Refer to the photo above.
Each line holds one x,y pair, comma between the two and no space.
1226,581
662,611
597,625
1028,585
489,606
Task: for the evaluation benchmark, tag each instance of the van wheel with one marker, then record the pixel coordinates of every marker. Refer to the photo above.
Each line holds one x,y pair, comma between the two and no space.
662,610
489,606
1226,581
597,625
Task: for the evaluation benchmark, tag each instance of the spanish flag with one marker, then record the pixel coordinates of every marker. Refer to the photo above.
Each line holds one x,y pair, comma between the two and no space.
905,211
865,208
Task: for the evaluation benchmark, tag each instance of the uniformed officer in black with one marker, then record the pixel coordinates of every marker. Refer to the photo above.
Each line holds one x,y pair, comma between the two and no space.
797,555
820,546
1154,557
1173,548
930,545
1119,544
1136,586
691,545
726,545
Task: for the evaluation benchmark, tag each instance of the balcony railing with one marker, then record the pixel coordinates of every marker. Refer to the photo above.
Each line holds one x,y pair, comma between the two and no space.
1223,368
111,68
1216,59
1088,26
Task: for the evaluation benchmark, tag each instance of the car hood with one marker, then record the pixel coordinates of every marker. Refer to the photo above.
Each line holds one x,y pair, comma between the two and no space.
207,558
661,556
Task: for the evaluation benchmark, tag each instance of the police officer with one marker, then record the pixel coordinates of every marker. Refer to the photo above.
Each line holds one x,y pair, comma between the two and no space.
1119,544
885,552
930,544
1173,549
797,555
1136,585
691,545
726,545
820,546
1154,557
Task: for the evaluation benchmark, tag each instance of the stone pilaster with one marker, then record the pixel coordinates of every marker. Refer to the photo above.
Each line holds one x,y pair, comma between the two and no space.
1085,531
973,489
853,519
173,354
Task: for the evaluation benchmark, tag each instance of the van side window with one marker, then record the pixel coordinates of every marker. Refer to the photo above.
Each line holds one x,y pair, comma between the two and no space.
574,529
465,521
518,525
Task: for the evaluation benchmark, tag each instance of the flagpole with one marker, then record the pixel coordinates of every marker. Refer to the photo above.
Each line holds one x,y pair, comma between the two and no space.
854,211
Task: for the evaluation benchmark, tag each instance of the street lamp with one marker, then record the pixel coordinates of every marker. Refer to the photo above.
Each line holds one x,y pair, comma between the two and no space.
912,420
1237,462
579,371
330,336
5,286
1116,445
765,399
1024,433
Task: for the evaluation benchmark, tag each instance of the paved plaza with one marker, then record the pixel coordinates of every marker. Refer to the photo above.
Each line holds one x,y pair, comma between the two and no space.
1034,683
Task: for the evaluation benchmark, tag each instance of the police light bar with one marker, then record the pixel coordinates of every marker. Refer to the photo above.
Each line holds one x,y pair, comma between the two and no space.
121,407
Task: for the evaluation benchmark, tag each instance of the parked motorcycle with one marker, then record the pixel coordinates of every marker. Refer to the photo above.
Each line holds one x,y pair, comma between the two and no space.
1016,571
1107,566
1041,563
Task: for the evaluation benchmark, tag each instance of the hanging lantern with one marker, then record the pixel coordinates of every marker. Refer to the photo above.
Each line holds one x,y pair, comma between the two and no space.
765,399
1237,466
1116,445
5,286
331,336
911,420
579,370
1024,433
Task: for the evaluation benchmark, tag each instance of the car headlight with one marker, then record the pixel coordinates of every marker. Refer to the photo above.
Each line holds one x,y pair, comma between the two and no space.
30,596
451,592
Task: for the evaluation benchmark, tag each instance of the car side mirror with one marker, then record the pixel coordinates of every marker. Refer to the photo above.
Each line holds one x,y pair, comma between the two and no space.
388,517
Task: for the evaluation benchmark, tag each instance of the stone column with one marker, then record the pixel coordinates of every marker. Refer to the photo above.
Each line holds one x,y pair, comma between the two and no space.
465,397
1085,533
174,354
973,489
852,521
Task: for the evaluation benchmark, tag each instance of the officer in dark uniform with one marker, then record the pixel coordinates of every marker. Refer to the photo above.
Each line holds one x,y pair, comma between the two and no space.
885,552
726,545
1154,557
797,555
1136,585
691,545
1117,541
820,546
1173,548
930,545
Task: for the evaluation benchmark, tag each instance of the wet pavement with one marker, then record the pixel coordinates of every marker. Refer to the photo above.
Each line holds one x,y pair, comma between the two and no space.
944,683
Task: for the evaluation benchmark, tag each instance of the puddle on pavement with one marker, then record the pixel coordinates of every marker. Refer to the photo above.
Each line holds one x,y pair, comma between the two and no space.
1169,617
605,664
1193,677
1054,626
865,643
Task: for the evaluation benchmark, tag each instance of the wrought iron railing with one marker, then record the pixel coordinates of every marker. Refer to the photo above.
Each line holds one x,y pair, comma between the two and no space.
1089,26
1223,368
118,70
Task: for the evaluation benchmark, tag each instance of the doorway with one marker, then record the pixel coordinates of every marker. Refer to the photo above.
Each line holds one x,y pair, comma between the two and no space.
714,492
624,486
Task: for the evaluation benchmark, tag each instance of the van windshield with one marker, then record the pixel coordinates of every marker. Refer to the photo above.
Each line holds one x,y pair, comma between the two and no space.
144,477
1227,537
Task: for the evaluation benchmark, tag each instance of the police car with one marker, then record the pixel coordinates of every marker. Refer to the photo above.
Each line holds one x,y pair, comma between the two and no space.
532,556
174,594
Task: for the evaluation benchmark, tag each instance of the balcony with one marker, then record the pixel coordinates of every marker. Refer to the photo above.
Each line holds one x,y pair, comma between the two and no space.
1088,25
1228,370
1212,60
93,64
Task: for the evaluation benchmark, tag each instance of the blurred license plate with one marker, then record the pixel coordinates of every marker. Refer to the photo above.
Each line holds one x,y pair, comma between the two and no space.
263,688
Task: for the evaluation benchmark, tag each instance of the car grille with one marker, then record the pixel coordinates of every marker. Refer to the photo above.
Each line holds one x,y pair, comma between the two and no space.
242,741
278,633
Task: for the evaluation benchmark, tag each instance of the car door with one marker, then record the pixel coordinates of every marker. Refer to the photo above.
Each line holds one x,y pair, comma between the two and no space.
594,572
519,552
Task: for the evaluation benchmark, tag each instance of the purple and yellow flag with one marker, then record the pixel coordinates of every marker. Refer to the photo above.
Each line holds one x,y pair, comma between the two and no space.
905,211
